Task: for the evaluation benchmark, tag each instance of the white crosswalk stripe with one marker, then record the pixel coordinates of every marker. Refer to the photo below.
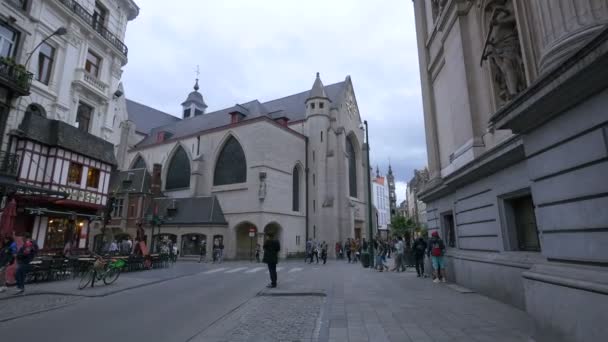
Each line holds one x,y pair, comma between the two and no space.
236,270
215,270
253,270
295,269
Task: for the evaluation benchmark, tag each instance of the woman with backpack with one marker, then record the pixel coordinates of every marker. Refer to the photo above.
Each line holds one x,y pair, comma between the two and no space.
436,251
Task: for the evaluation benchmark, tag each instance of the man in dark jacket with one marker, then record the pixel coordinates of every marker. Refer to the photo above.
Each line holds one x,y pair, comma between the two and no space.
271,257
419,249
25,255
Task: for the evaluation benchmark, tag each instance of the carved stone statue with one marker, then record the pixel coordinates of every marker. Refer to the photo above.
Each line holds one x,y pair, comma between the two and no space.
503,50
437,6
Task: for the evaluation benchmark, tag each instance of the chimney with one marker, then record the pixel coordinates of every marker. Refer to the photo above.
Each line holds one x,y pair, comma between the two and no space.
156,180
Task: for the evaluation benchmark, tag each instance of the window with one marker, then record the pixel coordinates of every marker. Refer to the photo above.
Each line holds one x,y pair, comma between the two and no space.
197,112
297,240
231,166
131,211
314,179
523,229
314,231
93,64
296,190
8,39
314,206
118,205
60,230
186,113
93,178
352,168
312,105
449,229
313,155
36,109
83,116
321,136
178,172
99,16
46,56
321,105
75,173
198,145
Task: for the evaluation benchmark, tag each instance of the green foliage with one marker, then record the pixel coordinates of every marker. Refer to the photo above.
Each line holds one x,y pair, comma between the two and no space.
401,226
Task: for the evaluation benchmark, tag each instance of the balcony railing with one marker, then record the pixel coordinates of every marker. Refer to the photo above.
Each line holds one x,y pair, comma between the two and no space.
15,76
9,164
85,15
91,81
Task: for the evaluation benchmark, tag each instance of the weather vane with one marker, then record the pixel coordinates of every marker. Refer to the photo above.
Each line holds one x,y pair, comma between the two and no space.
198,71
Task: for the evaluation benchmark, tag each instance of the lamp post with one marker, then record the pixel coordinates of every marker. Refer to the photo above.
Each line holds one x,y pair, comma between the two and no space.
59,32
369,199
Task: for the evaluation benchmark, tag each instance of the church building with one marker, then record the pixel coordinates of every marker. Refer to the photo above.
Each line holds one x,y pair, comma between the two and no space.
293,166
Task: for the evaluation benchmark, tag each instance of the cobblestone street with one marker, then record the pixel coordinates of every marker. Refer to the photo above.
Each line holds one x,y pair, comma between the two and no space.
229,302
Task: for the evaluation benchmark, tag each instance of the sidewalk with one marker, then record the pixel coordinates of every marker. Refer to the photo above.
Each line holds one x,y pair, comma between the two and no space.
365,305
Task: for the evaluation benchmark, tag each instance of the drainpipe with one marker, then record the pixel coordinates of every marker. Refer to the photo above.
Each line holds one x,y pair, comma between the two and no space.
306,186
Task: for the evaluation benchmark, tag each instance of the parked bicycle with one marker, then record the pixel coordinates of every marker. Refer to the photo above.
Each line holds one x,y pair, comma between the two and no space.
107,271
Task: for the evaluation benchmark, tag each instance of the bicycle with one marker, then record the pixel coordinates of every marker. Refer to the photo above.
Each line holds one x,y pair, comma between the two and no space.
106,270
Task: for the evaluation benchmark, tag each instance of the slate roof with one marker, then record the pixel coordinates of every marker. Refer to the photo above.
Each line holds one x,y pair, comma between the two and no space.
131,181
147,118
191,210
291,107
58,133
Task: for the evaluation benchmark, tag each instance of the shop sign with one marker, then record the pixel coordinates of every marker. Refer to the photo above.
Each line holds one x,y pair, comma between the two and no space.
80,195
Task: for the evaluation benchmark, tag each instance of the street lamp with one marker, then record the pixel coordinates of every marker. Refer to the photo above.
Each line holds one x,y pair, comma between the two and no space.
369,198
59,32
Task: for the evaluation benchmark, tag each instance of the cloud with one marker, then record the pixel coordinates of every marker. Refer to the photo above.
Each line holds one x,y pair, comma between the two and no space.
272,48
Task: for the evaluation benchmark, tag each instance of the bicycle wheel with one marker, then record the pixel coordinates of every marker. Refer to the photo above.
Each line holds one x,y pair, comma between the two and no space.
111,275
85,279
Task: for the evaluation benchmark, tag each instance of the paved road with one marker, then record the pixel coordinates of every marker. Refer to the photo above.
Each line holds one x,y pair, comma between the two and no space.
229,302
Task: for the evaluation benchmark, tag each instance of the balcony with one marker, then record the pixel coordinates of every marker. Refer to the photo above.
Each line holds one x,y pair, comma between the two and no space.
15,76
87,17
9,164
91,82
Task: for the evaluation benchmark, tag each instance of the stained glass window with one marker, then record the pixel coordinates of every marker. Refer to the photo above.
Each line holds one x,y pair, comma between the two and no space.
139,163
296,189
178,173
231,166
352,168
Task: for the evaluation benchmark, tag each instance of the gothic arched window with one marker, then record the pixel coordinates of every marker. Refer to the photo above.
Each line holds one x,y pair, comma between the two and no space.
296,189
36,109
178,172
352,168
231,166
139,163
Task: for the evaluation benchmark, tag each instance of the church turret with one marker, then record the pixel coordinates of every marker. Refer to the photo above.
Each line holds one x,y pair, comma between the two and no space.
317,102
194,104
392,196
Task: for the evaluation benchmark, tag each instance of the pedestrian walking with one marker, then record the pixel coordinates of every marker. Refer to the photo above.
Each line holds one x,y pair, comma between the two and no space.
221,255
203,251
436,250
399,256
113,248
355,246
338,250
315,251
419,249
8,250
347,246
25,255
216,251
258,251
324,252
308,251
271,257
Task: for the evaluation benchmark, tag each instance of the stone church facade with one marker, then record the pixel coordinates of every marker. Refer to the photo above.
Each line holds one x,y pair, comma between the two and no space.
514,97
292,166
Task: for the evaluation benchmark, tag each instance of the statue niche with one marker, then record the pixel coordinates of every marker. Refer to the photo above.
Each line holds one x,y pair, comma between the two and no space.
502,49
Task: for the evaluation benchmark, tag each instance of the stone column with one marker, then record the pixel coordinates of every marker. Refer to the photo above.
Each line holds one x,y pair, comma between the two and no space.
564,26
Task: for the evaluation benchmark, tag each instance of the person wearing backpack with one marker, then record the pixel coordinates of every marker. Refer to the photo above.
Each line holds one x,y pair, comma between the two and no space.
419,249
436,251
7,257
25,255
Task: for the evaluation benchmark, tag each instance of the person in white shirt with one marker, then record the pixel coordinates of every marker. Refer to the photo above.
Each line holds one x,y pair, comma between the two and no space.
399,260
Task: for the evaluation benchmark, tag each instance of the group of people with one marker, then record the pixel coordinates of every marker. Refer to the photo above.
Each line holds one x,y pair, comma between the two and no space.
124,247
20,256
217,255
313,249
351,249
434,249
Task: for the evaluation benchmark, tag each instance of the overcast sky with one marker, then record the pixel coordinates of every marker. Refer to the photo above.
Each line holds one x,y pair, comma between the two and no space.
267,49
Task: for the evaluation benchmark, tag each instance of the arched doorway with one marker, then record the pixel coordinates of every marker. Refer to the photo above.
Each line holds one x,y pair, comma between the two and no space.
273,228
245,245
163,239
193,243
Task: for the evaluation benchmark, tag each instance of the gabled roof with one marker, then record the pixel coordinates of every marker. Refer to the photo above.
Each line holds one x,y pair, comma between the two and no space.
147,118
292,107
190,210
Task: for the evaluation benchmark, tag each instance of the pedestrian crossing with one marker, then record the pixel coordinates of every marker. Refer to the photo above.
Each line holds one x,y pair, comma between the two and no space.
251,270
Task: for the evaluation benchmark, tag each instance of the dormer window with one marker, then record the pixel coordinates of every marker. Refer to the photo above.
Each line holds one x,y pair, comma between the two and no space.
197,112
162,136
186,113
236,117
282,121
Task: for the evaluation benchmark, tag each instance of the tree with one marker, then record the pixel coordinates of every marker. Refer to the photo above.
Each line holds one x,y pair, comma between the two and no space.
401,225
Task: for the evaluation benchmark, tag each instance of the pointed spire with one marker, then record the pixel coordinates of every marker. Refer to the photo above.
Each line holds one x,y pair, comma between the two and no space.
318,90
390,170
377,172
